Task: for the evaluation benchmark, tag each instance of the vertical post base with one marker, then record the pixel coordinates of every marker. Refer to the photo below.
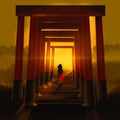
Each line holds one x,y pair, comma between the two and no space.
51,75
102,91
31,92
77,80
89,93
18,92
38,86
46,77
41,78
82,87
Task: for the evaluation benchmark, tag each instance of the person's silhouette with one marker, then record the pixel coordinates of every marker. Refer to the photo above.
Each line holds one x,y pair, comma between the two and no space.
60,77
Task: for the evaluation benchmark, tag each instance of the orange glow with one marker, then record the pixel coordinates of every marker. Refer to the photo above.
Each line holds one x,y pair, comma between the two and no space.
63,56
62,44
26,31
93,36
59,30
92,31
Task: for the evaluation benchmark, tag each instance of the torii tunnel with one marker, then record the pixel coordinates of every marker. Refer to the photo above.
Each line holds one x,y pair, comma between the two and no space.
49,24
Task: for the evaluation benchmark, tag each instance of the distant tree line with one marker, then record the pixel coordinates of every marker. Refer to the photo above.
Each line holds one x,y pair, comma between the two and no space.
7,76
10,50
109,48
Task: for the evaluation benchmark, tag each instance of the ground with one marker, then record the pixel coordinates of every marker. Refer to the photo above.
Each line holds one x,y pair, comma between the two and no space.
107,111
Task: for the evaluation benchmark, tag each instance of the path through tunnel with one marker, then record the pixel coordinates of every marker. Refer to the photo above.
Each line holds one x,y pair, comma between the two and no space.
59,49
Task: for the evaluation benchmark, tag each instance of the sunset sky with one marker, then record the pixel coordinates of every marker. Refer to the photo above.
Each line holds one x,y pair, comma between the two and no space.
8,20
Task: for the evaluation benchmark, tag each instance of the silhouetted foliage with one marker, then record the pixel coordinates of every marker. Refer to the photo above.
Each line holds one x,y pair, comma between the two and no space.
111,52
7,50
4,50
112,64
6,76
109,48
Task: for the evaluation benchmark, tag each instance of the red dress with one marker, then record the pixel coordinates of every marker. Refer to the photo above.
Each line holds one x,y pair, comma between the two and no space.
60,75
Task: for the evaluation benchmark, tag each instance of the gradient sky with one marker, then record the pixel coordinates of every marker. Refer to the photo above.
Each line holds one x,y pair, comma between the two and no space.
8,20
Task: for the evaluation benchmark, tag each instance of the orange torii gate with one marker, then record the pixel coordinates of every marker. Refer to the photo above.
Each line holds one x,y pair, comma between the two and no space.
68,17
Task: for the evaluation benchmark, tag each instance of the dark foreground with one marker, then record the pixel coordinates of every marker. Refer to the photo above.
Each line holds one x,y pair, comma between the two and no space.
107,111
63,112
111,109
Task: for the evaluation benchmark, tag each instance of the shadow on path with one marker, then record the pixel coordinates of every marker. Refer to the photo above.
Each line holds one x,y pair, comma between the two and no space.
62,112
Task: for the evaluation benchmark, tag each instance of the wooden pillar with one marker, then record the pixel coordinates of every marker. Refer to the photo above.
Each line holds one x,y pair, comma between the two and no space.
102,91
73,59
47,72
42,56
81,46
52,64
31,83
18,89
89,89
77,72
38,42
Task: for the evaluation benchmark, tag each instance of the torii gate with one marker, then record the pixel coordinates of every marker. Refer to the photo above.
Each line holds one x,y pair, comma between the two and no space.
76,17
